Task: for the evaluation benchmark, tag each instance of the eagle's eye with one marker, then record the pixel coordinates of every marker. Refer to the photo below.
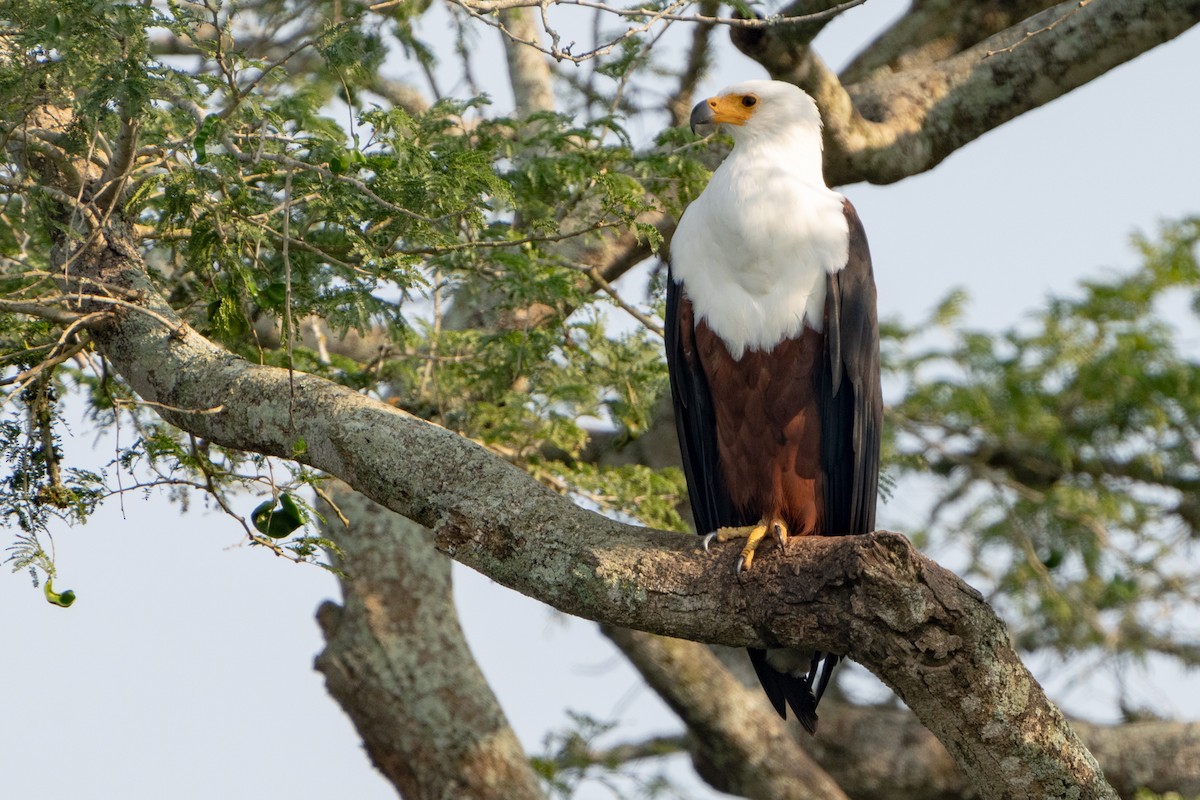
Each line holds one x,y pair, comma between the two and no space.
749,100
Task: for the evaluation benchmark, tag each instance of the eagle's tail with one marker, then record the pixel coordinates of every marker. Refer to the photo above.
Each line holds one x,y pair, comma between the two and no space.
802,693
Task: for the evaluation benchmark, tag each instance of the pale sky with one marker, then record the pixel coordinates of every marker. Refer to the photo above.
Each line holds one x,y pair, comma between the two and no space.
184,670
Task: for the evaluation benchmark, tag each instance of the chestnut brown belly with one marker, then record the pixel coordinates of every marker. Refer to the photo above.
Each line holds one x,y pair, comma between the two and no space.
768,426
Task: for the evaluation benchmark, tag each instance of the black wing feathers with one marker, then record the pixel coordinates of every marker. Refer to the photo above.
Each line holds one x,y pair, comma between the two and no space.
851,419
695,421
852,403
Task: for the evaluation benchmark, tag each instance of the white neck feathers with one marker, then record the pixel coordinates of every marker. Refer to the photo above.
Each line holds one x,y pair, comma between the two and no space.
755,249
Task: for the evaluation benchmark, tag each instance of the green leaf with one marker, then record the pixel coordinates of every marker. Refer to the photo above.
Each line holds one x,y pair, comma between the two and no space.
208,128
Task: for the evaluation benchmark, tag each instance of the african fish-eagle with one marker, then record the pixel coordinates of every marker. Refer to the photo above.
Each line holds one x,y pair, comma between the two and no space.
773,351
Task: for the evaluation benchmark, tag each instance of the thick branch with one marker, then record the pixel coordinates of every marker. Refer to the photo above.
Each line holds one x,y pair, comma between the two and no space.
884,753
918,627
931,113
699,56
932,30
1159,756
397,662
528,70
896,125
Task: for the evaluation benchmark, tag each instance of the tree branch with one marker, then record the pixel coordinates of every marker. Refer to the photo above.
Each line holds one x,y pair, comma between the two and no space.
884,753
923,631
899,124
528,70
434,731
934,30
931,113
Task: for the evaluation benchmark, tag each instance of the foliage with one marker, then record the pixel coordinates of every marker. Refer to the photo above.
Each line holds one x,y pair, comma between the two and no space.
573,756
1066,446
462,245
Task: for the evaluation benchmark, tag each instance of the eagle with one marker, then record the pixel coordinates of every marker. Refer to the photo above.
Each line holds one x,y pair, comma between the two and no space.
772,342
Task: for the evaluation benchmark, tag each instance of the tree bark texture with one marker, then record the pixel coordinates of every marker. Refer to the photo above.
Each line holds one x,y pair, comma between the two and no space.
884,753
397,662
924,632
871,752
893,124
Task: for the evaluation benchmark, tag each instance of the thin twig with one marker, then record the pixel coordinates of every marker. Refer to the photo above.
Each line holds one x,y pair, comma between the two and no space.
173,409
289,327
1030,34
607,288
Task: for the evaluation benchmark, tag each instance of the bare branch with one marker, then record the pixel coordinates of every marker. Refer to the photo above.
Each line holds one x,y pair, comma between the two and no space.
528,71
935,30
40,310
434,733
884,753
116,175
699,56
771,21
608,289
643,20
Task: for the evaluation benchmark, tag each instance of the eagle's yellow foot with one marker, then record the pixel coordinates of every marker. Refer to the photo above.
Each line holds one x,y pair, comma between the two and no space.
753,534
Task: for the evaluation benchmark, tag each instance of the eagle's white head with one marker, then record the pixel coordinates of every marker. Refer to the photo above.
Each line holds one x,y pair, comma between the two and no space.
761,111
755,249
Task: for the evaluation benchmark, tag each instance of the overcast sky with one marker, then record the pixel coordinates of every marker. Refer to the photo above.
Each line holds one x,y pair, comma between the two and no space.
185,668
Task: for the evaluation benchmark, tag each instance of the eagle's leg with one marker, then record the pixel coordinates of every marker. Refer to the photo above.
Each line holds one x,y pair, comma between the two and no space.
753,534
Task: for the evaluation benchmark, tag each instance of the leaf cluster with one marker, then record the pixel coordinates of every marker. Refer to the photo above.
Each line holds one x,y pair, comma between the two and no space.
1066,446
280,214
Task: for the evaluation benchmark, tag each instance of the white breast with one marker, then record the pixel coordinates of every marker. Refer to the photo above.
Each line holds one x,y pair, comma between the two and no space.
753,251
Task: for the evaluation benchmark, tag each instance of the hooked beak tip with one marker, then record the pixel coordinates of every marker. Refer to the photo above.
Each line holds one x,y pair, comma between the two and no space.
701,121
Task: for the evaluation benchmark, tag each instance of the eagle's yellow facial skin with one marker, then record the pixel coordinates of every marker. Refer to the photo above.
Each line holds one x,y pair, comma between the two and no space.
733,109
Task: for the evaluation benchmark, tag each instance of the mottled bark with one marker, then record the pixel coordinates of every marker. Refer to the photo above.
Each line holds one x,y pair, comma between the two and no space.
884,753
924,632
879,752
895,124
1160,756
397,662
933,30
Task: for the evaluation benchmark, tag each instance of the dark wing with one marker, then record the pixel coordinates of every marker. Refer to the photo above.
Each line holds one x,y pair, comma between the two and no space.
852,402
851,414
851,418
712,507
695,420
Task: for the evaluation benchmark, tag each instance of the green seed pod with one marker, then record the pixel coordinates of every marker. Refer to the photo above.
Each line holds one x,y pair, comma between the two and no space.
62,600
278,522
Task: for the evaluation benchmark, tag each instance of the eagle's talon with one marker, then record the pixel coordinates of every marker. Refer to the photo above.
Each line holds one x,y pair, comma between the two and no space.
708,540
746,560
